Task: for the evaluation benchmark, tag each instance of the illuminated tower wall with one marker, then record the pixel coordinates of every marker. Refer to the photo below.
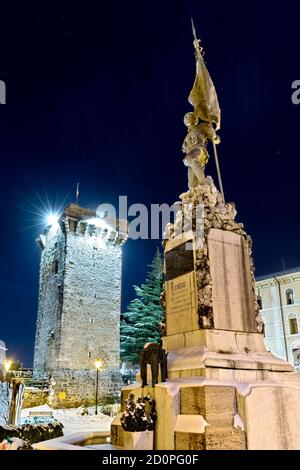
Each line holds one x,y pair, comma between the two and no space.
79,307
2,353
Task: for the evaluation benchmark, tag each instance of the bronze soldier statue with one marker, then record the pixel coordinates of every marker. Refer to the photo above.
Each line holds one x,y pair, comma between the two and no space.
155,355
194,147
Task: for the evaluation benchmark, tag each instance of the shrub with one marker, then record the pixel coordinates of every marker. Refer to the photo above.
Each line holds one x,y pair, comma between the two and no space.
135,418
32,432
110,410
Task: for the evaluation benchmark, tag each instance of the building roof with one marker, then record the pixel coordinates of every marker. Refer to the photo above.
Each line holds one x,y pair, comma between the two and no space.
278,274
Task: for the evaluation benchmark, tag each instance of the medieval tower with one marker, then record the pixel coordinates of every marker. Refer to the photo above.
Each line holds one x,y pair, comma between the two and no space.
79,306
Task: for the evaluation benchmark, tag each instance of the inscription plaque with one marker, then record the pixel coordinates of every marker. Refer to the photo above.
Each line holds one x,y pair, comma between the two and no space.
179,261
181,304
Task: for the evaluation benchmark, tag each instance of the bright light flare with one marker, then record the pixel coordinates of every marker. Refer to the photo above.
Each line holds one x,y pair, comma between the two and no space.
98,364
52,219
7,365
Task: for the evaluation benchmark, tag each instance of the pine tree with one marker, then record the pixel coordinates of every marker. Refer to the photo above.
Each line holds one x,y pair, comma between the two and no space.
140,324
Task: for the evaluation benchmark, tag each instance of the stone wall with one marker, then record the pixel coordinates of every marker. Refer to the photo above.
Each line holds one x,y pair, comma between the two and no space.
50,301
2,352
72,388
34,397
91,303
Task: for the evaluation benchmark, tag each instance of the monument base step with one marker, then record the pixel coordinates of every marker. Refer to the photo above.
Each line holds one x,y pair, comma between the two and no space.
252,408
212,438
220,341
197,360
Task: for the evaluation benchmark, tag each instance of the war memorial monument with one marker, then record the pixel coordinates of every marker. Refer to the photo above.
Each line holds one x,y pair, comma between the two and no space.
224,389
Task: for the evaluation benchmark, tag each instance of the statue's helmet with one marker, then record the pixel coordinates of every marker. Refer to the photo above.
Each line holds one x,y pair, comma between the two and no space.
191,119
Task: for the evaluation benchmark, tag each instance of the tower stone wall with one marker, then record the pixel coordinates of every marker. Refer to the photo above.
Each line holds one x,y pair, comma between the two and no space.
79,307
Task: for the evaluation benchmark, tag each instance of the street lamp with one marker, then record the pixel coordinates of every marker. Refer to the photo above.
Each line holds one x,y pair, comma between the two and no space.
7,365
98,365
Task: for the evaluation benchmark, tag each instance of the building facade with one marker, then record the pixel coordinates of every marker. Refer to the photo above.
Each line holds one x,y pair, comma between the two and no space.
279,299
79,307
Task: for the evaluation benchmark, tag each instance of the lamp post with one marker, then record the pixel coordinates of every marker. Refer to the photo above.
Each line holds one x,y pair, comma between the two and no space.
98,365
7,365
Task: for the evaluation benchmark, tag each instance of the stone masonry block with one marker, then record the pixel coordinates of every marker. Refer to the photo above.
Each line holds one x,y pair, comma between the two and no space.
216,404
214,438
224,438
189,441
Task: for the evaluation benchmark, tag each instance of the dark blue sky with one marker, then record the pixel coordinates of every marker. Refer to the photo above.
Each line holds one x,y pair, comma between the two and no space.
96,93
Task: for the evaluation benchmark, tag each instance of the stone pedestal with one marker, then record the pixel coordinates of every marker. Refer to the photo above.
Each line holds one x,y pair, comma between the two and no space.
224,390
138,440
233,409
130,440
232,288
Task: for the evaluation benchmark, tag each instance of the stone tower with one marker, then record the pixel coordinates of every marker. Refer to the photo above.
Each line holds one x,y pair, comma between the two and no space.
79,306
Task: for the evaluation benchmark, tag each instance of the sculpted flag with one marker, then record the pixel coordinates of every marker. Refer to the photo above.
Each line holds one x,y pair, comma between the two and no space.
203,95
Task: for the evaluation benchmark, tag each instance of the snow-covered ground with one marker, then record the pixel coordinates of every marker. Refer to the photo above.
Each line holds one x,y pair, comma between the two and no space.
73,421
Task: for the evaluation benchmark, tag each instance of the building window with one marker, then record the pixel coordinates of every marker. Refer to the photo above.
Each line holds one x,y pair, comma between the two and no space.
293,326
290,297
296,357
89,354
260,302
72,224
92,320
82,228
54,267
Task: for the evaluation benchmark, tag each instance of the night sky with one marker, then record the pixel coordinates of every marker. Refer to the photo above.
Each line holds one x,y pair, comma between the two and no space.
97,94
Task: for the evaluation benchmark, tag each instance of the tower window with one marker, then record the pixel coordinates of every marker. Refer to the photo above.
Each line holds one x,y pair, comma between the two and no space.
55,267
105,214
290,300
72,224
296,356
260,302
293,326
89,354
82,228
80,302
92,320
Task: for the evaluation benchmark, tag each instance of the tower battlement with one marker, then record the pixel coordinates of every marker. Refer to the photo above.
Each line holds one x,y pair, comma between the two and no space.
85,222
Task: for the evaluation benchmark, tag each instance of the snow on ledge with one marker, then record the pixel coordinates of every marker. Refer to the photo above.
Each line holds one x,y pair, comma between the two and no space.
238,422
190,423
243,388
